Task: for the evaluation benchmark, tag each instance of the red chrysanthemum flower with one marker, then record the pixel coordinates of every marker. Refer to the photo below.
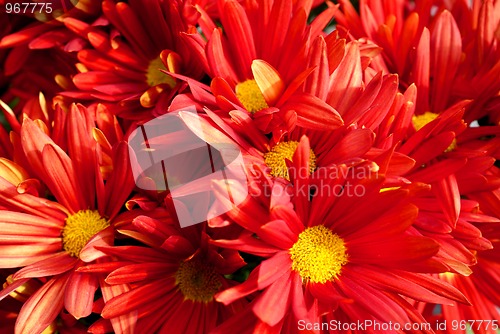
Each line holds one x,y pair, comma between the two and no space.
255,31
247,75
172,280
36,47
342,145
334,250
453,158
453,168
447,61
51,239
122,67
480,289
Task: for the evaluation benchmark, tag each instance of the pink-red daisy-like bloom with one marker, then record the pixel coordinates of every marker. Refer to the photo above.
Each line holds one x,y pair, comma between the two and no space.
254,31
448,155
50,239
330,93
173,281
348,143
450,55
248,76
453,157
329,250
122,66
36,51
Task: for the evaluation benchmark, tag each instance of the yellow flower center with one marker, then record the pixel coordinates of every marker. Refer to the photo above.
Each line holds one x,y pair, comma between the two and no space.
422,120
155,77
23,292
79,228
198,282
318,255
249,94
275,159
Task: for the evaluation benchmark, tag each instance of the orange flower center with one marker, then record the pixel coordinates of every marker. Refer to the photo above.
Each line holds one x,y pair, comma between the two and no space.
275,159
318,255
197,281
250,96
156,77
79,228
422,120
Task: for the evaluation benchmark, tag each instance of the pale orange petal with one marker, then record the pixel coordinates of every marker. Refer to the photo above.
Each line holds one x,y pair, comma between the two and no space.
269,81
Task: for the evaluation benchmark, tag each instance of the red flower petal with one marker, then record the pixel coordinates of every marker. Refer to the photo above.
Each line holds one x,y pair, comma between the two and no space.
121,178
82,150
131,300
313,113
122,324
261,277
62,178
346,80
218,61
448,195
446,48
269,81
249,244
278,233
239,33
289,216
317,84
90,251
274,302
394,252
54,265
79,294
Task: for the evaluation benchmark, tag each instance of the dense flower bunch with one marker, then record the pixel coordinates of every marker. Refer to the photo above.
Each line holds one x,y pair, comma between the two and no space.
367,134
